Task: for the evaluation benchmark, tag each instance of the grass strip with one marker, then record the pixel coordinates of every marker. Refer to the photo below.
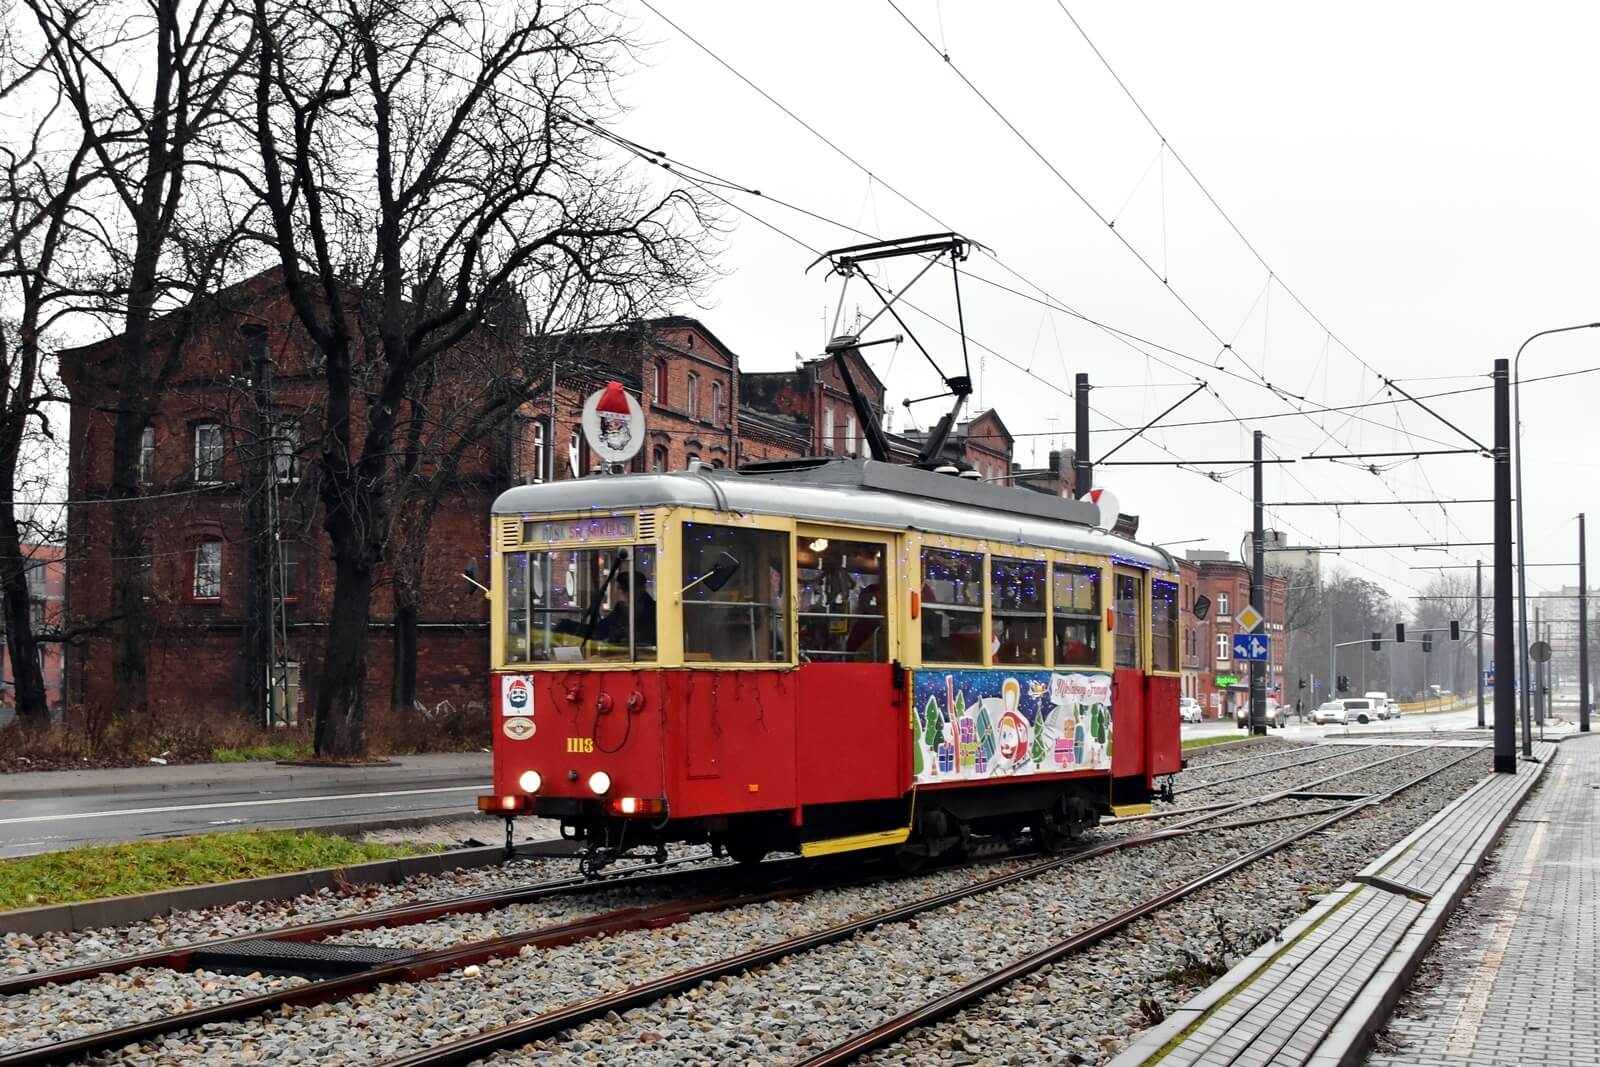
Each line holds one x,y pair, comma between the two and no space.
1215,739
96,871
249,753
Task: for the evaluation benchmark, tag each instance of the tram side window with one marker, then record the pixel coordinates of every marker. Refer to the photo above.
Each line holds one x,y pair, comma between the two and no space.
517,607
842,601
1016,610
734,594
1077,615
952,606
1127,598
581,605
1163,626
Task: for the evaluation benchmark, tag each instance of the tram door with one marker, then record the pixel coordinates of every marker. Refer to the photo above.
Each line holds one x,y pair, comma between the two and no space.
850,717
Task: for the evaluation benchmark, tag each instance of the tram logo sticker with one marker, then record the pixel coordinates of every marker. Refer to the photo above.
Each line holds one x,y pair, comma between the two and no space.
998,724
516,695
518,729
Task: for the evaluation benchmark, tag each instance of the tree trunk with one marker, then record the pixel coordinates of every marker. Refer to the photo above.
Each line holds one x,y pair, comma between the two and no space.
405,652
129,674
341,730
21,643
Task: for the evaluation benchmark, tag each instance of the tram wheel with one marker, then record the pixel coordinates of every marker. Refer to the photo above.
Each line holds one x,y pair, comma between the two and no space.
910,859
745,851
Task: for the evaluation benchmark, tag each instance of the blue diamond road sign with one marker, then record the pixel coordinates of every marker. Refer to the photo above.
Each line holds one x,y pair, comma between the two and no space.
1251,647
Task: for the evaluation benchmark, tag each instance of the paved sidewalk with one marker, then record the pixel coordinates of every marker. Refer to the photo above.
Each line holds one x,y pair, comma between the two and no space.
1513,979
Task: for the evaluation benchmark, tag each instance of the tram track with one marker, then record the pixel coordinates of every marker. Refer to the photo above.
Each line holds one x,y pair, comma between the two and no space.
547,1024
421,965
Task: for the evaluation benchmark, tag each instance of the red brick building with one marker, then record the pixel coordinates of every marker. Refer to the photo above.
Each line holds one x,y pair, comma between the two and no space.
1224,683
223,450
47,590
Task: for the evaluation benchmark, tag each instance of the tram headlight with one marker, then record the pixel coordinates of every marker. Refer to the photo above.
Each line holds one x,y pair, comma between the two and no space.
599,783
530,781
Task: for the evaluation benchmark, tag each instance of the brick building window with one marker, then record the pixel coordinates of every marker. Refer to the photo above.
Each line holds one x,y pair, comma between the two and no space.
36,616
692,402
850,434
827,431
207,570
1224,648
690,460
288,577
147,454
207,453
575,453
36,579
537,473
658,459
659,388
1222,606
718,408
285,431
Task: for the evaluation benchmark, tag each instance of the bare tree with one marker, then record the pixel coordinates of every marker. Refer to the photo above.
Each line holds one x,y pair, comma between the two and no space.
420,159
147,84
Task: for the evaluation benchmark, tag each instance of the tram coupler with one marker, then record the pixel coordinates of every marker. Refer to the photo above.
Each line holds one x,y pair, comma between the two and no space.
1166,793
511,844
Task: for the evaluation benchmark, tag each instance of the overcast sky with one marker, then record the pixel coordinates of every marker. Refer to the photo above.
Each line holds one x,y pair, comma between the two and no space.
1422,175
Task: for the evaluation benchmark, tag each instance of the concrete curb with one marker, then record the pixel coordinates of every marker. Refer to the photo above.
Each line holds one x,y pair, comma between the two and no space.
119,911
1347,1043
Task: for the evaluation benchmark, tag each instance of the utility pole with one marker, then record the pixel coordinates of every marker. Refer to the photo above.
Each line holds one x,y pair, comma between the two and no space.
1258,560
1480,644
1505,648
1583,629
1082,468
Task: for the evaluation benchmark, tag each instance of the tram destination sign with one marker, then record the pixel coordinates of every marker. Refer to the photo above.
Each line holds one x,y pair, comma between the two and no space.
591,528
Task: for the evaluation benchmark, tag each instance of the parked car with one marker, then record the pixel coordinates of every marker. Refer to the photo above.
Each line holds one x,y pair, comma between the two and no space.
1346,710
1189,710
1241,717
1394,709
1380,703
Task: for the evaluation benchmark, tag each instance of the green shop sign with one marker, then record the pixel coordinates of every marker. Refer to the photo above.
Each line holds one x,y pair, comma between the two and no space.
1226,680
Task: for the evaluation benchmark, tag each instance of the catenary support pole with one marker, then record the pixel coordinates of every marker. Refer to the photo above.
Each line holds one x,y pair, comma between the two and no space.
1258,560
1082,468
1505,642
1583,629
1479,628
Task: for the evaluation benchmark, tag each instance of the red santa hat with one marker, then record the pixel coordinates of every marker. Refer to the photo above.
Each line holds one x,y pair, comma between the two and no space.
613,401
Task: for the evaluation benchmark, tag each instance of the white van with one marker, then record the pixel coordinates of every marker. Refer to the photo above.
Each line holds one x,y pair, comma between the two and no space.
1381,703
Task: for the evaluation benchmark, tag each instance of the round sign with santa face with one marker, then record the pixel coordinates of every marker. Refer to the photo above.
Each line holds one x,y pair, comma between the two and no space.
613,424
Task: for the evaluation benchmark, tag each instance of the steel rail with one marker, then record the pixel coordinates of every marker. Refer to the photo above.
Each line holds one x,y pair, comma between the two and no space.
401,915
1213,783
891,1030
512,1035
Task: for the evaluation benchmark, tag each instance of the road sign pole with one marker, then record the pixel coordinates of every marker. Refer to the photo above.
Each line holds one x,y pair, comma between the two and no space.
1480,644
1583,629
1258,550
1505,646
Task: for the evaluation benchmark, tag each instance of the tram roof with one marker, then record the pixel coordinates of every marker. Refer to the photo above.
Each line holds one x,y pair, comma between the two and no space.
852,492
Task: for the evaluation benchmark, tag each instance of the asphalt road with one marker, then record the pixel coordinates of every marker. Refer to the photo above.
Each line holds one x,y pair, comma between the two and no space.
1461,719
51,811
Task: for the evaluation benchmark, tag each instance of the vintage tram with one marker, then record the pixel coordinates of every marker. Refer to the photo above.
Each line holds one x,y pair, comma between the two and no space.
823,655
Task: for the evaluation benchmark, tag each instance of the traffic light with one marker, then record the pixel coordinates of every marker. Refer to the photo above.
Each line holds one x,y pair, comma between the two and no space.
1377,641
1427,642
1302,683
1455,630
1400,632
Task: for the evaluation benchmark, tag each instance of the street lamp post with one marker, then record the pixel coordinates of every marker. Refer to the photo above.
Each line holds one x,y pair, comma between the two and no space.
1522,559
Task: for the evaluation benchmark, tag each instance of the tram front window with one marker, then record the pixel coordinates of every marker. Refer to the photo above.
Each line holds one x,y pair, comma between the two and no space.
733,594
842,601
581,605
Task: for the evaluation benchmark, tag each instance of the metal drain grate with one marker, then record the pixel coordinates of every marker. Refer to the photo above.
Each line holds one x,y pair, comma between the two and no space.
303,958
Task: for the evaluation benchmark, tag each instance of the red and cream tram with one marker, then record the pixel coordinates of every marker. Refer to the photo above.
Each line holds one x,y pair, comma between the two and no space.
821,656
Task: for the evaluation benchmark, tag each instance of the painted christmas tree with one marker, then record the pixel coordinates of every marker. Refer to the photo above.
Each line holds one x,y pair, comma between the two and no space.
1039,750
932,730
